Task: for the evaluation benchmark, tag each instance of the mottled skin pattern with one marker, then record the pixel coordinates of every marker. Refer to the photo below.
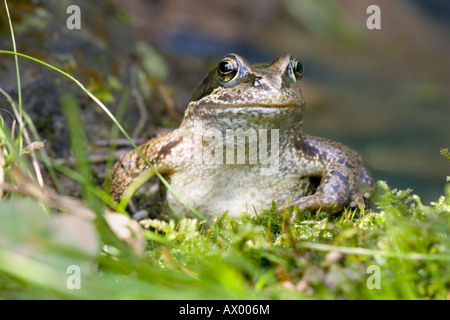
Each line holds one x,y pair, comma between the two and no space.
259,96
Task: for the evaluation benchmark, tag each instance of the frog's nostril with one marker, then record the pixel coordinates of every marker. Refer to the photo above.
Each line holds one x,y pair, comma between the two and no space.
258,82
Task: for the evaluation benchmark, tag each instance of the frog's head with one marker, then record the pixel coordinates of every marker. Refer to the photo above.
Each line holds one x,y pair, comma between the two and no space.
234,87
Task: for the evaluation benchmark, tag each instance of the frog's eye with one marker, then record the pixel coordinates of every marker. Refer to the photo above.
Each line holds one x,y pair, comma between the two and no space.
295,70
228,70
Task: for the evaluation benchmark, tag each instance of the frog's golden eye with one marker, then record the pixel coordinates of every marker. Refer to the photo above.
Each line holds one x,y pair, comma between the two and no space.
295,70
228,69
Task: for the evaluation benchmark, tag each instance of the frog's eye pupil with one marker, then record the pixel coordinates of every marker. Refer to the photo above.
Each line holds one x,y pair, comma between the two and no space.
225,67
296,69
228,69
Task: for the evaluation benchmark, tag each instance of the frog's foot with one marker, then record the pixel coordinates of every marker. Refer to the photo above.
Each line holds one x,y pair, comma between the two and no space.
313,202
324,202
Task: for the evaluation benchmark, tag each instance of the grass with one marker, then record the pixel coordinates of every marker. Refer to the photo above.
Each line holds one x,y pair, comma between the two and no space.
398,250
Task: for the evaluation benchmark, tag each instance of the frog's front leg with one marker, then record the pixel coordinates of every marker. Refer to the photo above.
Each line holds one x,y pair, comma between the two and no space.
340,170
131,170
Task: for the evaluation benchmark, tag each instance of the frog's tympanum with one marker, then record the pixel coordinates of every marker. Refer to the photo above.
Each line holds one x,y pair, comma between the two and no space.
241,146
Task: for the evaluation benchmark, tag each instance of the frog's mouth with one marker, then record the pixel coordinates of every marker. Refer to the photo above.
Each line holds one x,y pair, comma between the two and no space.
252,110
266,102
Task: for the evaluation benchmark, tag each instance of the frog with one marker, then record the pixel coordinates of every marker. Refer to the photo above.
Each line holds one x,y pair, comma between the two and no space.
241,147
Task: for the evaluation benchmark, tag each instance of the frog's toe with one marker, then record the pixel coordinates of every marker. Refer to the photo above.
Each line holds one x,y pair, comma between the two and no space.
315,202
358,199
366,185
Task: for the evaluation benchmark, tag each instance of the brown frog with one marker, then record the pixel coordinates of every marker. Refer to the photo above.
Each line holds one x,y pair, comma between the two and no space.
241,146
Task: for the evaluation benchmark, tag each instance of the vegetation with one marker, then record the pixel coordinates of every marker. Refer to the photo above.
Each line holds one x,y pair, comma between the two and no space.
398,250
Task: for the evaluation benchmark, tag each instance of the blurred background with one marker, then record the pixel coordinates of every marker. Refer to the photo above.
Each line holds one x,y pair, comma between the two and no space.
384,92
